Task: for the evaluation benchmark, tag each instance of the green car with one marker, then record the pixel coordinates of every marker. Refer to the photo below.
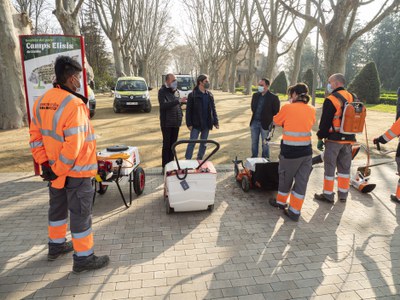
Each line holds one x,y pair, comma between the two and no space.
131,93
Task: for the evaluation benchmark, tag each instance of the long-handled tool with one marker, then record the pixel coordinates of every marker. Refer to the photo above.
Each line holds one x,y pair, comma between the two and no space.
360,180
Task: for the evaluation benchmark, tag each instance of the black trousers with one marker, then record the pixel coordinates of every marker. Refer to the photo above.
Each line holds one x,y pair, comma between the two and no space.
170,136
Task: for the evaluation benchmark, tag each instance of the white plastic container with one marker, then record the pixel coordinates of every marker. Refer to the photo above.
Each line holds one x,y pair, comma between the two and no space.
130,159
250,163
198,194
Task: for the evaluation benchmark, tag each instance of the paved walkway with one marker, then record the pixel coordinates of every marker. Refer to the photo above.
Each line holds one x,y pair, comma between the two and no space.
245,249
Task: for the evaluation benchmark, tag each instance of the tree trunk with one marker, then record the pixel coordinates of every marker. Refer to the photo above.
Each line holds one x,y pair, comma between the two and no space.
69,24
251,69
143,66
232,75
335,54
297,59
12,96
225,83
116,46
272,56
204,67
127,61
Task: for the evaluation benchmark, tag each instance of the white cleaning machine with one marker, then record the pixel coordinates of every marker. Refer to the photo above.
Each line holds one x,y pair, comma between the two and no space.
190,185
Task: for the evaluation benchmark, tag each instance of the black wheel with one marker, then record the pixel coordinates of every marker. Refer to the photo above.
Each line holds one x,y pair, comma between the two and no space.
102,188
148,108
116,109
210,208
139,181
245,184
168,208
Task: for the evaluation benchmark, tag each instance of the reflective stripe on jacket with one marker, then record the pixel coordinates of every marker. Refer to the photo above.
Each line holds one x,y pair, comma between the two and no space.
61,133
297,120
391,133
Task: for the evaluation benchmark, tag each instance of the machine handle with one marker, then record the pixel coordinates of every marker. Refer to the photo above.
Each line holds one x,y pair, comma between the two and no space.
217,146
378,146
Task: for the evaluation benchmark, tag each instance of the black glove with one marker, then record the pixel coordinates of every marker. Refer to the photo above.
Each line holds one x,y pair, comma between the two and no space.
320,145
47,172
375,141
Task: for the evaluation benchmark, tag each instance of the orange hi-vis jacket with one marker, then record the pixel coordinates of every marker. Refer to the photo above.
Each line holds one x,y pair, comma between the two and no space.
61,133
391,133
337,117
297,120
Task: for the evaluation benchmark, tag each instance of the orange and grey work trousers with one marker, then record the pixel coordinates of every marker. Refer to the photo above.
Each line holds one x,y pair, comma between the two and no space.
398,172
338,156
77,197
297,170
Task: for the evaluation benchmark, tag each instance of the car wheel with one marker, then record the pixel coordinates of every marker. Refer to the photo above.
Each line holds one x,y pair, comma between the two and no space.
148,108
116,109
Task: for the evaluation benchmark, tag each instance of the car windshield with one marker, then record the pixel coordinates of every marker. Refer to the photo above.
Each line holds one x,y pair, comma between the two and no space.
131,85
185,83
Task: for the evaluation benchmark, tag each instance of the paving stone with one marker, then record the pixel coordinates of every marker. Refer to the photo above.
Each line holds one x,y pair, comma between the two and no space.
243,250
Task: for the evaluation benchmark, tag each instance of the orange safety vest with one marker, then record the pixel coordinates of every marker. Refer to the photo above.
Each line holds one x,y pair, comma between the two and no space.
61,133
338,105
297,120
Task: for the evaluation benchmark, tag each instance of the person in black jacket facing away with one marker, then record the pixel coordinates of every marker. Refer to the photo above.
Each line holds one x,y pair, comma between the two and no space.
264,106
201,115
170,116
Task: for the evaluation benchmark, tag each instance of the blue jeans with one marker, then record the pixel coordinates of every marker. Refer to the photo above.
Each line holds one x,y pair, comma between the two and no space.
257,130
194,135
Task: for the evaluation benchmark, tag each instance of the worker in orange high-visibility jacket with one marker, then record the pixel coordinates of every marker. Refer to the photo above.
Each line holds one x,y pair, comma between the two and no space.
295,159
390,134
62,141
337,153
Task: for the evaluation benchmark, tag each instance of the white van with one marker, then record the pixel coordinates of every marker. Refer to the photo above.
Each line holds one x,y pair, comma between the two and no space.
186,84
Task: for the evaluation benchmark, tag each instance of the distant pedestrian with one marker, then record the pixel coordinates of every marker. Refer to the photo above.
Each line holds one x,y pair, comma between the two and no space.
170,116
264,105
201,115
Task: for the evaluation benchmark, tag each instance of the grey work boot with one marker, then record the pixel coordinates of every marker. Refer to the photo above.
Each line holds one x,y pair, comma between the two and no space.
91,262
291,215
322,197
394,198
55,250
274,203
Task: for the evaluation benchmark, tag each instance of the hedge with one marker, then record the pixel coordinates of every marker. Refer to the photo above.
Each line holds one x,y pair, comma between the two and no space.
389,98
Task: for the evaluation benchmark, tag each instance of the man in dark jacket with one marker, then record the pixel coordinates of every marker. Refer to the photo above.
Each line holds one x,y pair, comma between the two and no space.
201,115
264,106
170,116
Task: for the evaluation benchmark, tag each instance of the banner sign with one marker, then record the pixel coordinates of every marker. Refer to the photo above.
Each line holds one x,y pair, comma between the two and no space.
38,55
